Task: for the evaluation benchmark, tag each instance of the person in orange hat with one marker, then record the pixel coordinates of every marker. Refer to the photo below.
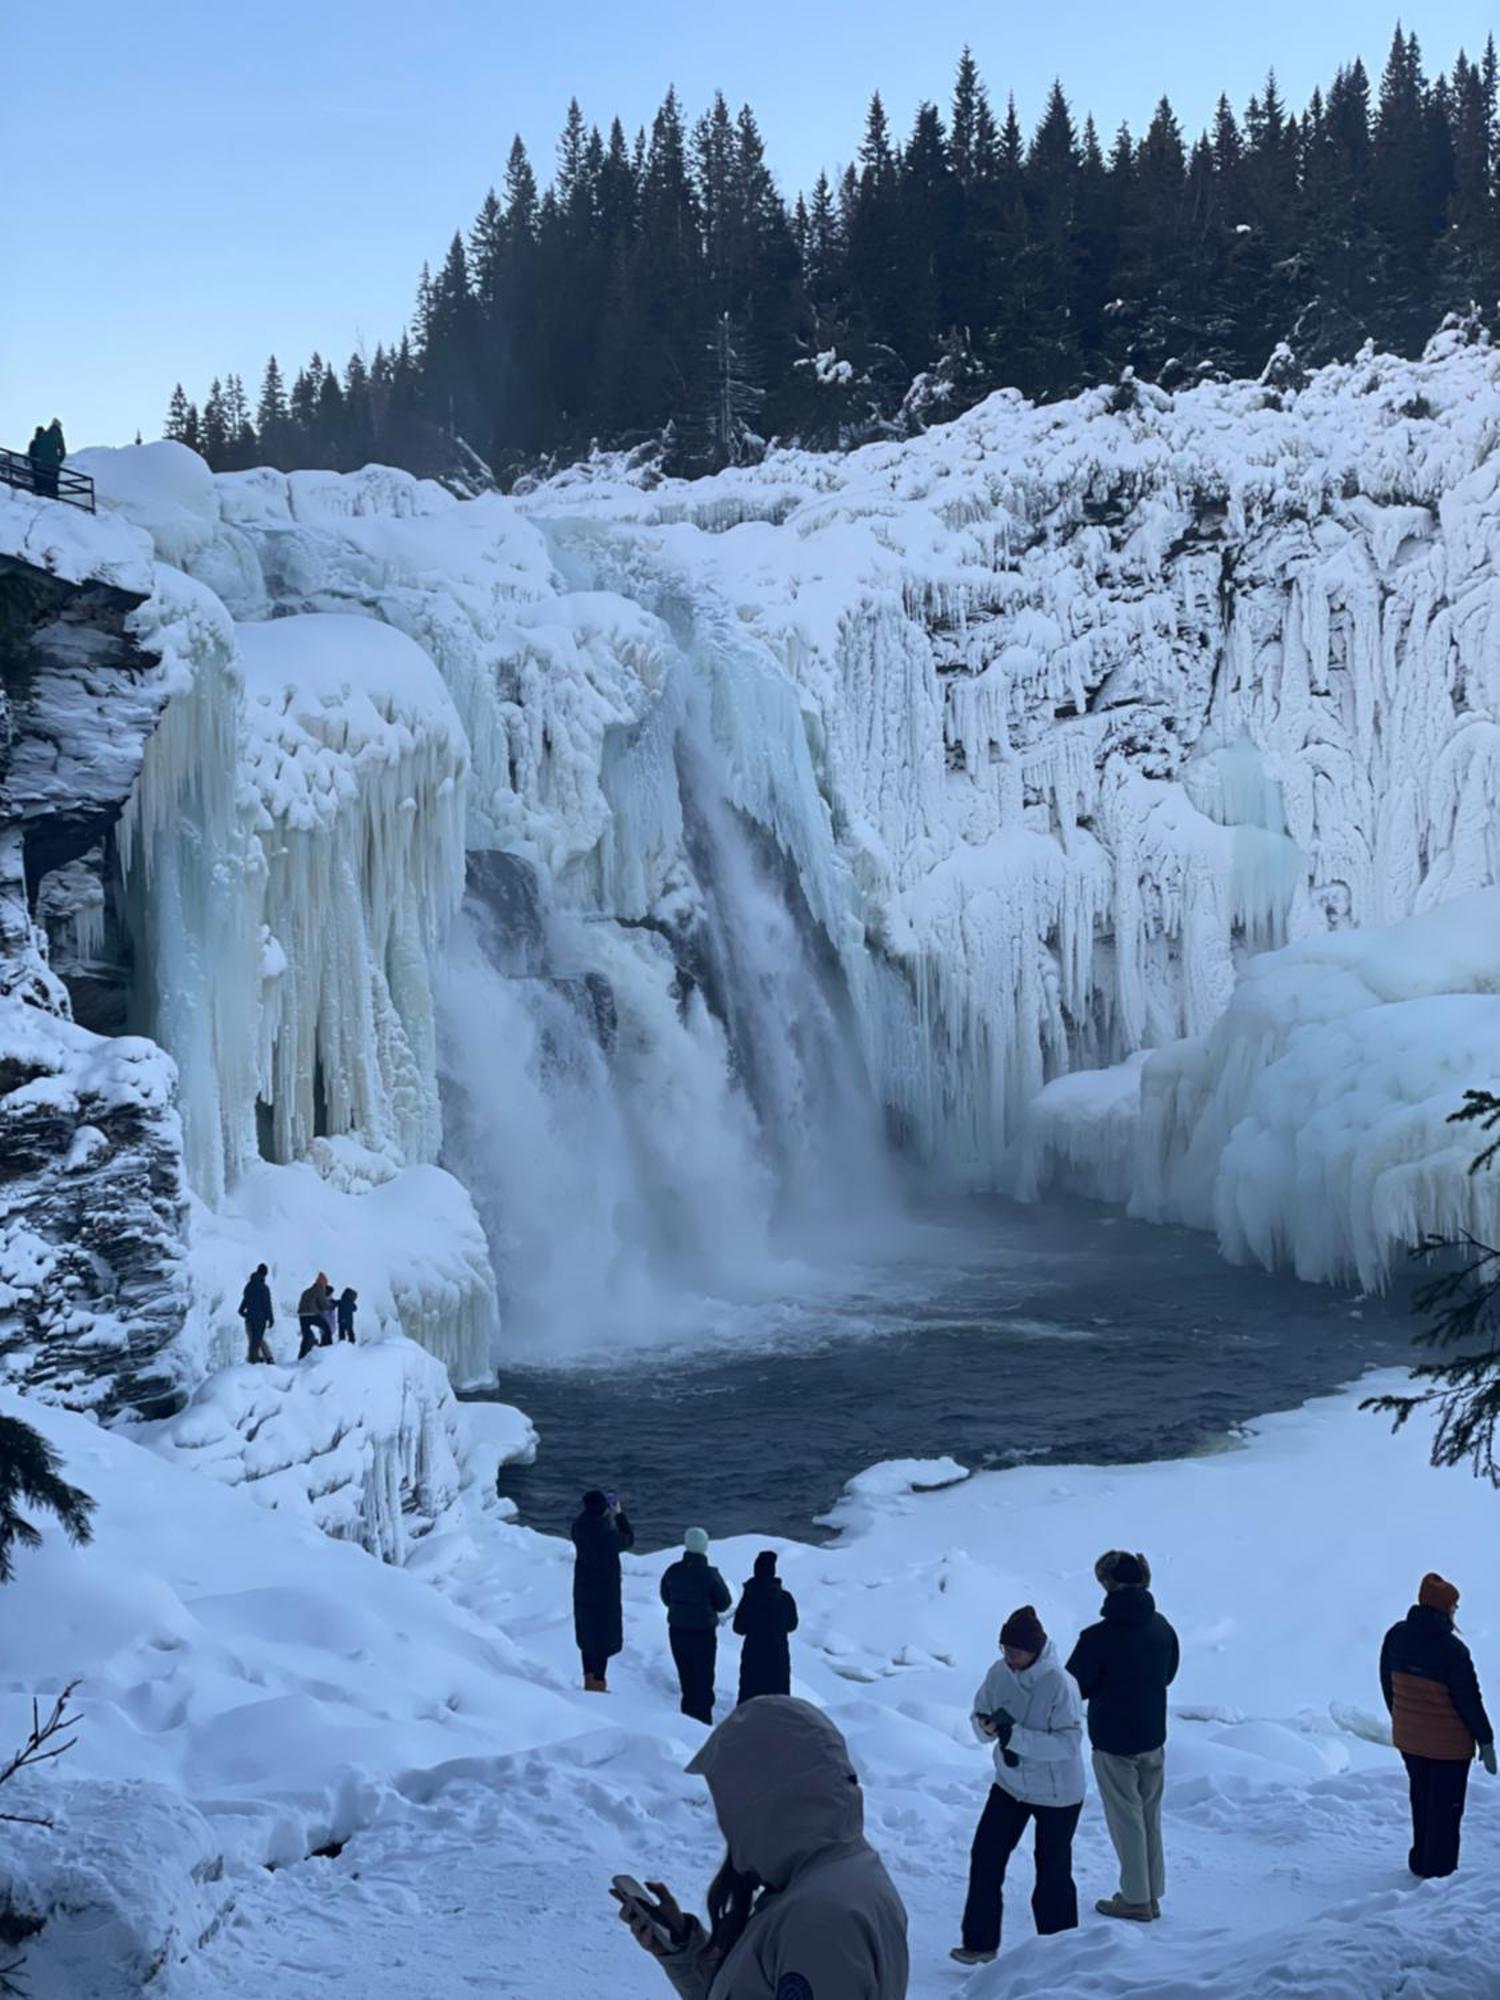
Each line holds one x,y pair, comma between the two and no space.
1438,1721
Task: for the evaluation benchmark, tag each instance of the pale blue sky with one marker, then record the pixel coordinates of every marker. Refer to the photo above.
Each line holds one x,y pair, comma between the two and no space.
190,185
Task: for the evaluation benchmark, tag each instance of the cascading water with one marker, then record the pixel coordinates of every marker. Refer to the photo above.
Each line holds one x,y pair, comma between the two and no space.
658,1102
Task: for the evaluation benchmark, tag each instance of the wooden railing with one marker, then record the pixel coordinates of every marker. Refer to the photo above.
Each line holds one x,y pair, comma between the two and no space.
50,482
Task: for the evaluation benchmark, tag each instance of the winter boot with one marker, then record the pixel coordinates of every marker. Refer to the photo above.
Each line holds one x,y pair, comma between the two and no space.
1116,1906
595,1684
961,1956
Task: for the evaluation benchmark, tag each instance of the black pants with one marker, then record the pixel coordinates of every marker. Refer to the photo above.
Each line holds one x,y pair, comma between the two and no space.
696,1654
1054,1901
311,1327
256,1335
595,1666
346,1332
1439,1786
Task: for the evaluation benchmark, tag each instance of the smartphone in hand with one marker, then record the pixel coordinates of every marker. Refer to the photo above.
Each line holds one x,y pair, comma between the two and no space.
633,1896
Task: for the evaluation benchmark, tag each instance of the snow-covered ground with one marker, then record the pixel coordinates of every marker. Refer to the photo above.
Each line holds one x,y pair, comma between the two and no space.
253,1691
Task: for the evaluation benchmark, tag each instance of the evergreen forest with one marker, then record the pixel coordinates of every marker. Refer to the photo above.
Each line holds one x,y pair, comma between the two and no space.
661,293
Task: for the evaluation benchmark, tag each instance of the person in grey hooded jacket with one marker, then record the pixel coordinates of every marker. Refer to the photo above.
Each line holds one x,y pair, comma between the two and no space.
802,1908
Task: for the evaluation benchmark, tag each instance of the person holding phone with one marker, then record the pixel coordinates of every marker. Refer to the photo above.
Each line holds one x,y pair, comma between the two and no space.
802,1908
600,1535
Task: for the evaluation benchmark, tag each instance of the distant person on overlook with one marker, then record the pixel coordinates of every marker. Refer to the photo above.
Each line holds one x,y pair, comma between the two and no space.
802,1908
312,1308
1124,1666
1028,1707
696,1597
600,1534
765,1619
1438,1721
348,1306
257,1313
46,452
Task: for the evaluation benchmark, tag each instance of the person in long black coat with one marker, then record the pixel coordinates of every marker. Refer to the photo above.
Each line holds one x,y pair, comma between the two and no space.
765,1620
600,1534
258,1313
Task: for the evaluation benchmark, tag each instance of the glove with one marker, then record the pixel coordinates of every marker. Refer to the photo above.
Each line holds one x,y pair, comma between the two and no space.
1003,1727
1487,1758
1003,1715
1010,1758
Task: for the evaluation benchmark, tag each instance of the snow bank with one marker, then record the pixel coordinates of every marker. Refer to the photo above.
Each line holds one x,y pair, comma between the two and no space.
253,1691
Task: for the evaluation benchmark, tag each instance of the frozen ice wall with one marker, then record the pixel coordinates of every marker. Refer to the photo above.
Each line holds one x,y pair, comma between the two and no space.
822,804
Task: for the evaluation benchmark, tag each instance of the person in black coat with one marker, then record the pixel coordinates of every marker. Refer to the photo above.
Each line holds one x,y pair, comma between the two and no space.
347,1307
1124,1666
765,1620
600,1534
256,1311
696,1597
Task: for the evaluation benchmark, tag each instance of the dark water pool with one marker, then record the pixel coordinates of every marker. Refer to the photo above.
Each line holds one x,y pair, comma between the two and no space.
1002,1334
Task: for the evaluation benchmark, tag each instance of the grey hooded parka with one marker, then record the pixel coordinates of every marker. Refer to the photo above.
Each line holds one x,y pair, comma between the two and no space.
829,1924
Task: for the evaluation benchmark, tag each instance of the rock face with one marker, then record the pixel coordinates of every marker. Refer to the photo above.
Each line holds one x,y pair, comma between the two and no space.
93,1288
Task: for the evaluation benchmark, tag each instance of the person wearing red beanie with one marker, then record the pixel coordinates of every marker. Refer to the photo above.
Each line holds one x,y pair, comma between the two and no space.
1438,1722
1029,1709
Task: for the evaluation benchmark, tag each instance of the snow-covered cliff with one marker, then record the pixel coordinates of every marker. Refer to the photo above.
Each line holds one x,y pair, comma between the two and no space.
554,902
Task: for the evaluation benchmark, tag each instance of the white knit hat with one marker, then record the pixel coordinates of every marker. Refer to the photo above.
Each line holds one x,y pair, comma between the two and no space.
695,1541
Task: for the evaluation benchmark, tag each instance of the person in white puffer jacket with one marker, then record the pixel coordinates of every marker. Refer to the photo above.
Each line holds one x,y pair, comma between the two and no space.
1029,1709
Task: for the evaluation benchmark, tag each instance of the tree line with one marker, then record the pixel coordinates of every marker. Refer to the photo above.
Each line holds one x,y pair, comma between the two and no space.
661,292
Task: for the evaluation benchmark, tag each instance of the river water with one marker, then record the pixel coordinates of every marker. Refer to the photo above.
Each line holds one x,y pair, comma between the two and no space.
993,1333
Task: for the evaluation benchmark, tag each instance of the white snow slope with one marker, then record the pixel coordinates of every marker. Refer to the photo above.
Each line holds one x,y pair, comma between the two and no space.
252,1691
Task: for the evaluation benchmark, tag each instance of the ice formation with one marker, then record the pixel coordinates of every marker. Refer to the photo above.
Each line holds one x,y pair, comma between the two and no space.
829,804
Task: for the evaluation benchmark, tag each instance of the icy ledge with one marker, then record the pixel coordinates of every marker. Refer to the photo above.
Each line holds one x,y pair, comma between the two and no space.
1309,1127
366,1443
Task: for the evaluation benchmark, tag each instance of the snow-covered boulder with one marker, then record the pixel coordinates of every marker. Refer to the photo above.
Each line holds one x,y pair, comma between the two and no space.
365,1441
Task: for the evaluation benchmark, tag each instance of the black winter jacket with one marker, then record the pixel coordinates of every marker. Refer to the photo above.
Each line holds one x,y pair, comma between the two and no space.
255,1306
695,1595
1124,1666
598,1621
1431,1689
766,1616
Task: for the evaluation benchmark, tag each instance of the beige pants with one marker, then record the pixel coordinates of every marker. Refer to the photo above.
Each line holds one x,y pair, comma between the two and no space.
1130,1790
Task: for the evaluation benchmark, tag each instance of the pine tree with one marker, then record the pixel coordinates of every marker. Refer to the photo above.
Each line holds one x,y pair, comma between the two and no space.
30,1478
271,415
176,426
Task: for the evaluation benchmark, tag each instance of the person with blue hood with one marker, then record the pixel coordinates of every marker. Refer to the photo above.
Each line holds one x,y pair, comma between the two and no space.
802,1908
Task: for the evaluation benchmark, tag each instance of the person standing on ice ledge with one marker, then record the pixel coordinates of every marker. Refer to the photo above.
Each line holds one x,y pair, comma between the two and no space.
802,1908
1438,1721
312,1308
600,1534
1124,1666
257,1313
696,1597
765,1619
1028,1707
348,1306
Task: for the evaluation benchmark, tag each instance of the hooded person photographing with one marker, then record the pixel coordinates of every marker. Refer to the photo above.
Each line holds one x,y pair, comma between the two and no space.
802,1908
